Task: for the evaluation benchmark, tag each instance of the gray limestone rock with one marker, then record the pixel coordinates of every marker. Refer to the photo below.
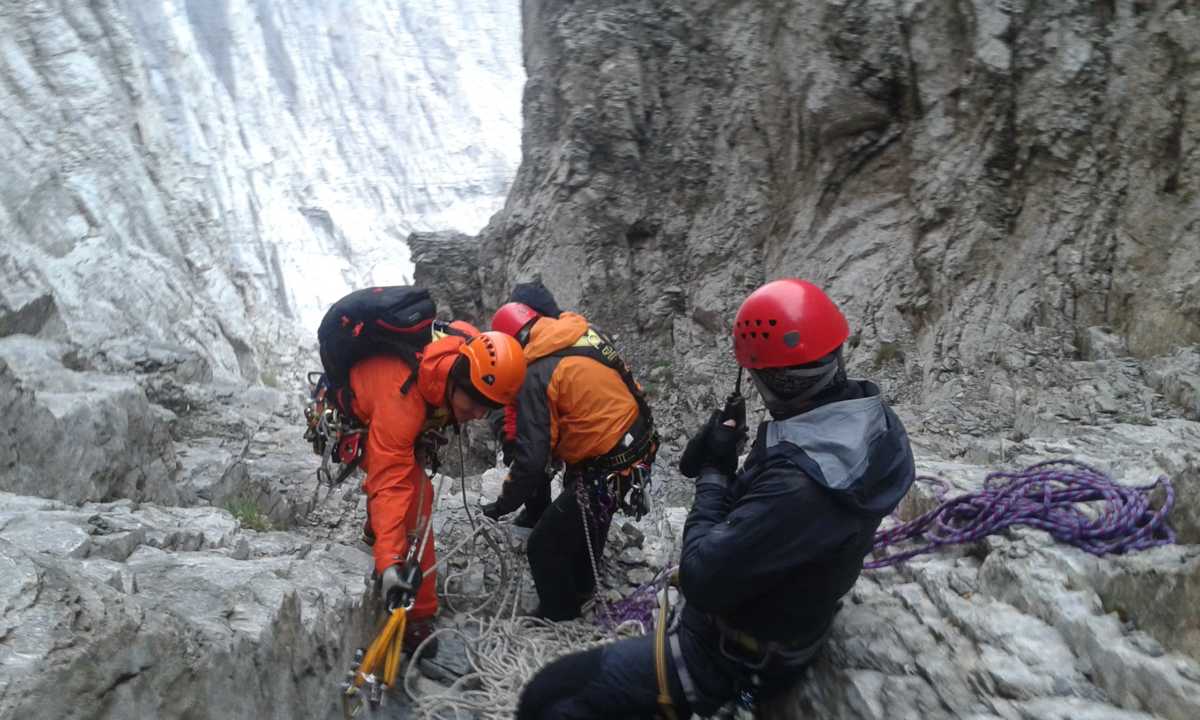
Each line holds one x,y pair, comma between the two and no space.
78,436
180,625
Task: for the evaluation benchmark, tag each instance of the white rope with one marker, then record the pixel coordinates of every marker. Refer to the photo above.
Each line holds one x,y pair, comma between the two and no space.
503,649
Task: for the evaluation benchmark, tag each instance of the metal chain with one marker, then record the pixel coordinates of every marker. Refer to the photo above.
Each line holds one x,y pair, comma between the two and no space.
581,499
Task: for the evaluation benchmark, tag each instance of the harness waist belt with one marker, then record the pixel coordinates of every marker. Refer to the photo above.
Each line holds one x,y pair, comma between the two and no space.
795,651
644,444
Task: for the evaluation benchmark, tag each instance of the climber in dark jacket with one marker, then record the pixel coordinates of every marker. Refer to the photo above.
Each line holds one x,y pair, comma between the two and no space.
768,552
538,298
587,412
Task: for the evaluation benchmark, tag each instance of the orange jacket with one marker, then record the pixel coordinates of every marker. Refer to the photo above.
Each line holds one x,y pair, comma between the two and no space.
570,408
395,421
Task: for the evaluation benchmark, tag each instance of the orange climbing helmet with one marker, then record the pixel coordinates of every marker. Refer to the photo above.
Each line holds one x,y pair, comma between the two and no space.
495,367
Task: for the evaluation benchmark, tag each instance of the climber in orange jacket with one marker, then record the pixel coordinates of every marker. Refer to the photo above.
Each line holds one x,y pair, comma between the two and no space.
579,405
458,380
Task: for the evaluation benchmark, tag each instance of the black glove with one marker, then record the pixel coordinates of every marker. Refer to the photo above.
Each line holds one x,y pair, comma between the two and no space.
400,584
735,410
504,505
492,510
715,444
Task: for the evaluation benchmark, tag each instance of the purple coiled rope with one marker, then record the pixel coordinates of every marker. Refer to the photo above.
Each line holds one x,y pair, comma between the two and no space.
638,605
1046,496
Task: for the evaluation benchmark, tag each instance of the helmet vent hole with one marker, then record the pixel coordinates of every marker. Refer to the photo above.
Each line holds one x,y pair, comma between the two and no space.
758,322
771,322
753,334
766,335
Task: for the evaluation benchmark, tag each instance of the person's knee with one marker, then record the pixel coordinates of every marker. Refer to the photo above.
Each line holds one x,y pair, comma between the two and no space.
556,684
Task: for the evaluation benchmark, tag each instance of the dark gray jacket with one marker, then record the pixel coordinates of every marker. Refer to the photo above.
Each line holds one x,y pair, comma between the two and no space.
771,551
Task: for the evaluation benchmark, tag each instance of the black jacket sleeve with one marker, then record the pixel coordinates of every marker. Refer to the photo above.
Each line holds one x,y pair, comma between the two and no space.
532,451
735,550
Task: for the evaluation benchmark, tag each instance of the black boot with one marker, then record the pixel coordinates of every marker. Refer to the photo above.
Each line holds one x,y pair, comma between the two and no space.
415,633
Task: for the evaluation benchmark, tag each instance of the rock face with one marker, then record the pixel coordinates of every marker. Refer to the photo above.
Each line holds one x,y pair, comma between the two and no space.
967,180
448,264
1001,199
1018,634
78,436
203,174
111,610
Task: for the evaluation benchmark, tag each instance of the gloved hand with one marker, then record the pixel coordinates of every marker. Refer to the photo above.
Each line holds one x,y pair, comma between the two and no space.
503,505
715,444
400,584
508,452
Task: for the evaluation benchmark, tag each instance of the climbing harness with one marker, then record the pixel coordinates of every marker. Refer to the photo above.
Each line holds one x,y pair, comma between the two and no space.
1049,496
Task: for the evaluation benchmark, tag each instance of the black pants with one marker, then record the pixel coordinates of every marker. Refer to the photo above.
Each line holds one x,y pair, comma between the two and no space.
558,555
618,680
611,681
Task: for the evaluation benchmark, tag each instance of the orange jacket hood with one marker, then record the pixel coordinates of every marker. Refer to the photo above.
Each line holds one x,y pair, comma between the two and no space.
549,335
434,375
436,361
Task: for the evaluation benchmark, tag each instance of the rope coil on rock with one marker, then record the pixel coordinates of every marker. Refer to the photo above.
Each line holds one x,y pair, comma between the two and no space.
1051,496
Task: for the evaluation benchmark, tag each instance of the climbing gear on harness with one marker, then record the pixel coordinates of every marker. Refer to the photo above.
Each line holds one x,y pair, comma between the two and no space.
636,501
785,323
338,439
495,369
623,474
512,317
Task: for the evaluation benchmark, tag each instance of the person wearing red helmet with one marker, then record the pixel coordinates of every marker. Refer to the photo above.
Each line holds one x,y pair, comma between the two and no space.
768,550
462,376
580,406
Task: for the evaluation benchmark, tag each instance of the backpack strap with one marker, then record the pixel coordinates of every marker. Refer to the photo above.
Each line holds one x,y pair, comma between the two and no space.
596,345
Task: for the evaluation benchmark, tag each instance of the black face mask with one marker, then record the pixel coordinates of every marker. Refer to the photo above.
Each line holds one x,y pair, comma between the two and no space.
805,383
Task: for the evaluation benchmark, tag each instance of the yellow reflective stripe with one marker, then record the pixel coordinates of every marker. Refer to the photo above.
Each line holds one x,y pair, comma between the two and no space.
592,339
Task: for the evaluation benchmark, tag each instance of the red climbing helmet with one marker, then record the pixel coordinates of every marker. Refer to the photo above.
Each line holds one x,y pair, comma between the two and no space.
513,316
787,322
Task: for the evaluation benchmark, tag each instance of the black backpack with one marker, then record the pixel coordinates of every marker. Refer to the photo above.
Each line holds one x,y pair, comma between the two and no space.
397,320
